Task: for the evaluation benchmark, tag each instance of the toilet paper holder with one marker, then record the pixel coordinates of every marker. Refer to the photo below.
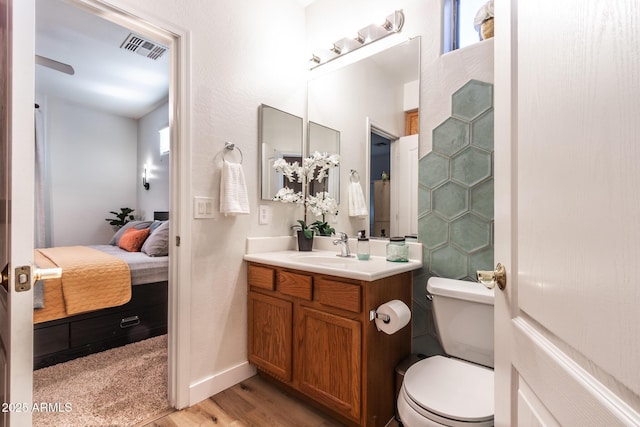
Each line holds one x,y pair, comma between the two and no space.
373,314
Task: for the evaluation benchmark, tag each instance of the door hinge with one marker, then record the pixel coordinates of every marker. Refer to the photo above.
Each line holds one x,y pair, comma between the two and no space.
23,278
177,240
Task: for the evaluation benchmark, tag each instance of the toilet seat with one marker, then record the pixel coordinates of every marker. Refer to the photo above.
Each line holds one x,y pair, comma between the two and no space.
450,391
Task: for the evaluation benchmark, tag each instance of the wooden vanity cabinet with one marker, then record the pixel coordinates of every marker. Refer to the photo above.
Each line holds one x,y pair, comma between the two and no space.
312,334
270,334
329,360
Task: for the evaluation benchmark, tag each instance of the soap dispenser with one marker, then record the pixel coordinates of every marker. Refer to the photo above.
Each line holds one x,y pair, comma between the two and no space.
363,246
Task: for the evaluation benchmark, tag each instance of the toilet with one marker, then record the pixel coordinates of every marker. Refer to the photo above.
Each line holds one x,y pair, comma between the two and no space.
456,389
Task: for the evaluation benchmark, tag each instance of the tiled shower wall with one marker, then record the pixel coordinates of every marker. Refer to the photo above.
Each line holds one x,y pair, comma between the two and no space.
455,218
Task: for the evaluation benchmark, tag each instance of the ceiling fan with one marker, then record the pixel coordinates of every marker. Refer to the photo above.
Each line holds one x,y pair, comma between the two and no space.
55,65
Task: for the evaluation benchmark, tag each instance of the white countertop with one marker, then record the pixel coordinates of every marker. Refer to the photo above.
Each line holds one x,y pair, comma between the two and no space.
324,261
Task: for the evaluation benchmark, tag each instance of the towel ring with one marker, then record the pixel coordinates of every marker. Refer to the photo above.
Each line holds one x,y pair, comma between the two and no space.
231,146
355,177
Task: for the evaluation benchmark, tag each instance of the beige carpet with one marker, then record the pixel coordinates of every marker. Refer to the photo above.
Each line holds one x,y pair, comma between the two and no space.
118,387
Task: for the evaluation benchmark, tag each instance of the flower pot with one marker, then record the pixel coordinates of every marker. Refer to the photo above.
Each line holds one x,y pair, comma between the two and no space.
304,243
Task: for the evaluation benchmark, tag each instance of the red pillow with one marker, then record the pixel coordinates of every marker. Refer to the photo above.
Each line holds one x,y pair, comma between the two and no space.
133,239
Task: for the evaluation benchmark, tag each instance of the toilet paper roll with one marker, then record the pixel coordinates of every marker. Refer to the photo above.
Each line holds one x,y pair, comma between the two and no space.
399,316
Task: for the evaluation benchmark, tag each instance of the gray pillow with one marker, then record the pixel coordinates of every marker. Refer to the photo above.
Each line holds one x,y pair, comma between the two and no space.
138,225
155,224
157,244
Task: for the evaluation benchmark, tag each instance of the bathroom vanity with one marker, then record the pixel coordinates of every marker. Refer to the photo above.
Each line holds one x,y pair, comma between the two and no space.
311,331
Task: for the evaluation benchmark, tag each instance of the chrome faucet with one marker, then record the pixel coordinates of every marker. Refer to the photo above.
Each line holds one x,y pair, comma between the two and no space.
343,241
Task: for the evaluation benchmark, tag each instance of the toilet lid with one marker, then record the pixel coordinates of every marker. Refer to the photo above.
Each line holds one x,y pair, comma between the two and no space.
451,388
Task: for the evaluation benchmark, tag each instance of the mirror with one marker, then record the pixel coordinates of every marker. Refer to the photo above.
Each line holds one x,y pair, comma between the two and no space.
280,136
374,96
326,140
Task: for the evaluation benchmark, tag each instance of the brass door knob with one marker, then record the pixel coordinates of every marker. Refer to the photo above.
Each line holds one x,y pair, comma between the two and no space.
490,278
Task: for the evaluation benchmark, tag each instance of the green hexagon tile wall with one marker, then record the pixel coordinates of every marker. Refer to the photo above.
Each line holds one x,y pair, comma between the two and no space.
455,222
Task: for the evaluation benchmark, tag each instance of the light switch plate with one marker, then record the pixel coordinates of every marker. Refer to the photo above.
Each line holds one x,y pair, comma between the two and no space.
203,207
265,215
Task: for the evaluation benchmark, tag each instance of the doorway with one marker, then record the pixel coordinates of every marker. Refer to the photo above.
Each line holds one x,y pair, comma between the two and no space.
176,42
380,224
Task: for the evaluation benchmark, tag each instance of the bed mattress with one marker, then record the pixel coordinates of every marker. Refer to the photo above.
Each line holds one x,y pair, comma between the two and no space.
143,269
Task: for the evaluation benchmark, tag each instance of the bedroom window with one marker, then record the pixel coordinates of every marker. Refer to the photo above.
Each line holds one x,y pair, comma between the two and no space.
165,140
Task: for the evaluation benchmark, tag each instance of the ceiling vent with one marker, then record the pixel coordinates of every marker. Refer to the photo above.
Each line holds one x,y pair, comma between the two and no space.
143,47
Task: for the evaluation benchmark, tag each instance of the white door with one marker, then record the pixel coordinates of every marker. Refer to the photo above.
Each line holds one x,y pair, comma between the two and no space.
567,105
16,225
404,186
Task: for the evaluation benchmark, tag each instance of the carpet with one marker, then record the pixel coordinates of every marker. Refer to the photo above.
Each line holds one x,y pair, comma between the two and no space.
118,387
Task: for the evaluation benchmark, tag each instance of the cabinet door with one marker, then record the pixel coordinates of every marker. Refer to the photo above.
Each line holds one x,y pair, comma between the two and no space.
330,360
270,334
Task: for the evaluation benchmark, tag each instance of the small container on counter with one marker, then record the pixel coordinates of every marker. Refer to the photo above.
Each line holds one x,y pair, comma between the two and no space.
397,250
363,249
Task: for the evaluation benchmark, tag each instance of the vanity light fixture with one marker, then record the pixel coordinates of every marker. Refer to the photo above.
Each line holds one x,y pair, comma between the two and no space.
145,183
369,34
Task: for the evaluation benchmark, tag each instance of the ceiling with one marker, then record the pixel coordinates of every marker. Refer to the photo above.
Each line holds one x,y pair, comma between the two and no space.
106,77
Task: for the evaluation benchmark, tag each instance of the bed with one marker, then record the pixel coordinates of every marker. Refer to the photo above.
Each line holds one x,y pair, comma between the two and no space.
124,302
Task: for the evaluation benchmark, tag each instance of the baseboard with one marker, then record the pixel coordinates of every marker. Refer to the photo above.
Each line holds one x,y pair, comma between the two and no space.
221,381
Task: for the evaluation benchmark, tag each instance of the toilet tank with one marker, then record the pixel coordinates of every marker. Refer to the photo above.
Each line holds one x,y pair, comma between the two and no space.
463,312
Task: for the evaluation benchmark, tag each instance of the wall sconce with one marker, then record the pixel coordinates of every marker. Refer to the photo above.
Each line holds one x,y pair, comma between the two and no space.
145,183
369,34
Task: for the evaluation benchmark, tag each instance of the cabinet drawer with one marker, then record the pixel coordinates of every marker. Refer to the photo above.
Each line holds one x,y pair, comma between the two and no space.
296,285
334,293
135,324
261,277
50,339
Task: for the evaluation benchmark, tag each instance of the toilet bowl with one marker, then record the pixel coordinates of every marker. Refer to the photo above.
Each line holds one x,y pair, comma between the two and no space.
443,391
456,389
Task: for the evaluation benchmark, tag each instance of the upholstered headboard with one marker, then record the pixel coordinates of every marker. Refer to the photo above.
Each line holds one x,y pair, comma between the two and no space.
161,215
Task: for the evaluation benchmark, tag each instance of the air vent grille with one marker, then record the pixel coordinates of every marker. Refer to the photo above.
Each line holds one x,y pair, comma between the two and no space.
144,47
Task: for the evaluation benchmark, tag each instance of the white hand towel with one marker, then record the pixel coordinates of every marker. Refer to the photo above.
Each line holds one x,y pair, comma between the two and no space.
233,190
357,204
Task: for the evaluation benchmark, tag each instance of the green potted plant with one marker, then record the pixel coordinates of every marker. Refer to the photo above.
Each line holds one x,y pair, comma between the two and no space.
122,217
314,167
323,228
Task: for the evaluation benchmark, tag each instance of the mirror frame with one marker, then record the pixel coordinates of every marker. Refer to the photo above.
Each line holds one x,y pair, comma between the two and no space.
261,142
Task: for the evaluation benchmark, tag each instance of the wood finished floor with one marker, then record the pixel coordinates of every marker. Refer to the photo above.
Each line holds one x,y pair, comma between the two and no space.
254,402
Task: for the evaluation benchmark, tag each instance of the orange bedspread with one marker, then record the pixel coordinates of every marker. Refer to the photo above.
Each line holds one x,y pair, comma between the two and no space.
91,280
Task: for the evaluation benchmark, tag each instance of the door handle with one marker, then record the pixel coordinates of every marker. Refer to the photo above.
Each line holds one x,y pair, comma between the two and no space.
22,273
23,276
490,278
47,273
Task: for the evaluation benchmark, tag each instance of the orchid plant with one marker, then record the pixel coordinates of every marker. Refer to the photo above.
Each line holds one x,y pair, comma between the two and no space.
315,167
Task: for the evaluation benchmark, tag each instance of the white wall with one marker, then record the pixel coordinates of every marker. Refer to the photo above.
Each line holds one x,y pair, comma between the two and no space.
157,197
242,54
92,171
